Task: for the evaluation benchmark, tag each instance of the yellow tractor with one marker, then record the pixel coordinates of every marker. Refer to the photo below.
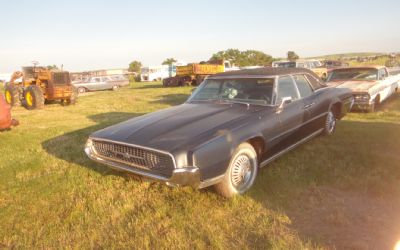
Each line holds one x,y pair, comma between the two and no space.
33,86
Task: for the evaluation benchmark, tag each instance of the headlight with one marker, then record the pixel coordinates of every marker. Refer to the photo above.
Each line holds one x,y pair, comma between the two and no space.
89,143
362,97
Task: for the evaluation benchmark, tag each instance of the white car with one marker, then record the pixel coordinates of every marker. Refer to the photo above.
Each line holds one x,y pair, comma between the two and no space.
371,85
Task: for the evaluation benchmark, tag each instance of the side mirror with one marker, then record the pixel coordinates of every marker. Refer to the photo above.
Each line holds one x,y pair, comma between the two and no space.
285,100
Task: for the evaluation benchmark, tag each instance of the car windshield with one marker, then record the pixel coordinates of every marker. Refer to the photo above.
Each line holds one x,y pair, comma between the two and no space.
250,91
354,74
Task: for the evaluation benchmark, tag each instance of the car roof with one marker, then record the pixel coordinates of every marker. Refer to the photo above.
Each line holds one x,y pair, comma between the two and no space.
264,72
361,67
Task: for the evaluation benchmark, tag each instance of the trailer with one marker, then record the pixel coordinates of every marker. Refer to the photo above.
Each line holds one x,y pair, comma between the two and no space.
157,73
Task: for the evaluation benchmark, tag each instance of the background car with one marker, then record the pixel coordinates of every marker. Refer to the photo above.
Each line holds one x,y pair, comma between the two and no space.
101,83
371,85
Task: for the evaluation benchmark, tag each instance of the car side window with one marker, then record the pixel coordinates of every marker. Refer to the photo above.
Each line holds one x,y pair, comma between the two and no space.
286,88
303,86
382,74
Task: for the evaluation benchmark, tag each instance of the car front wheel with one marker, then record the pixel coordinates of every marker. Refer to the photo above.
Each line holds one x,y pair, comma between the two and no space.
241,173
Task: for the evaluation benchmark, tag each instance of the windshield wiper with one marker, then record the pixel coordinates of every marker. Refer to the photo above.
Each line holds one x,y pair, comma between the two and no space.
233,101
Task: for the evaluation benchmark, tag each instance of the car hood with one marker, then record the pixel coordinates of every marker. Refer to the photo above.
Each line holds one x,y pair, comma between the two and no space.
355,86
182,125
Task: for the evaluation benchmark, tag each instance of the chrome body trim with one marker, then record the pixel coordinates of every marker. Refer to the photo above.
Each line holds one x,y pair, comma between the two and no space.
297,127
212,181
272,158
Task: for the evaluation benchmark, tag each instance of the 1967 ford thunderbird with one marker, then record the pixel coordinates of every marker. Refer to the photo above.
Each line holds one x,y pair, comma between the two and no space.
233,124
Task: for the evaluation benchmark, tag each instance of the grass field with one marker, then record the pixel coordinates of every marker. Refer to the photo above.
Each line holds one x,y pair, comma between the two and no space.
339,192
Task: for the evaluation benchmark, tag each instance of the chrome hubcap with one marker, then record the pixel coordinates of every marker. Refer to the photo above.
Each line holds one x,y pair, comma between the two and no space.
330,122
241,172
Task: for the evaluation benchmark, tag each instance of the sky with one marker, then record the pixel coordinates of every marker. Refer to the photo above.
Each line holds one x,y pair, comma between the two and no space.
87,35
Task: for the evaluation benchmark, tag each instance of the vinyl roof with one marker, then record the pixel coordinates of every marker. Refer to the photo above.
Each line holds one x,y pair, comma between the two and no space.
267,71
362,67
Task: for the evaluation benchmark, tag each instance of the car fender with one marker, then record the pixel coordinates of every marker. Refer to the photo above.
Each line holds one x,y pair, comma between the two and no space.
213,157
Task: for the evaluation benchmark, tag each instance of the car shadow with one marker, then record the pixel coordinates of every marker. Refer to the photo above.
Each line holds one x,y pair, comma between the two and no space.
70,146
151,85
172,99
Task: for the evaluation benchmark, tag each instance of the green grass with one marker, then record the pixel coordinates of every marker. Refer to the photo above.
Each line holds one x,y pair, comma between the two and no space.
53,196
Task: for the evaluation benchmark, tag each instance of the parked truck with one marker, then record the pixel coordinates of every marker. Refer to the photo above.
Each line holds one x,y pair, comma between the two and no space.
32,86
194,73
157,73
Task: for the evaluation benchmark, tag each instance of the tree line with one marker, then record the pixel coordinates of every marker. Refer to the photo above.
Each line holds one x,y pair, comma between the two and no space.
235,56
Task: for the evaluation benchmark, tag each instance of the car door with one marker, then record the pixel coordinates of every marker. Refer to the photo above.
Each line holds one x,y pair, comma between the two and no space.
313,110
106,83
387,86
95,83
291,114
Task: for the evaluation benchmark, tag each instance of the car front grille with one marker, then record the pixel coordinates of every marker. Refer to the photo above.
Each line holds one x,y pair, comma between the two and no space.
135,157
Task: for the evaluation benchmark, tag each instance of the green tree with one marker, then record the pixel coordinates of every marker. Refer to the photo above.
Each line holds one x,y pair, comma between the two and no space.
243,58
50,67
292,56
135,66
169,61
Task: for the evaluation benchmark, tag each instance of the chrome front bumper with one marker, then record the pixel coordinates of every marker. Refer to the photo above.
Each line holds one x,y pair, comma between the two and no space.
362,106
187,176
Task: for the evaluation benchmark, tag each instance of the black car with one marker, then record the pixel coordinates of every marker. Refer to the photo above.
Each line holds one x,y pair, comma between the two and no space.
233,124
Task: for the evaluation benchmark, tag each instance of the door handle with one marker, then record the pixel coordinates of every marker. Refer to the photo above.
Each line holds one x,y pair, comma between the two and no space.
309,105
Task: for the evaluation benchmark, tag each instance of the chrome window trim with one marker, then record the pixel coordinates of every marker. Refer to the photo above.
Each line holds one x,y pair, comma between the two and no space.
294,84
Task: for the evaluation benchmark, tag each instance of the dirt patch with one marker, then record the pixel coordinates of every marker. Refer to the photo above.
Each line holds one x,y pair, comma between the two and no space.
344,220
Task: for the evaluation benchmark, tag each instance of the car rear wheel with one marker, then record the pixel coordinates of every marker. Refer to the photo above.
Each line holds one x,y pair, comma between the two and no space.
115,87
330,123
241,173
71,100
81,90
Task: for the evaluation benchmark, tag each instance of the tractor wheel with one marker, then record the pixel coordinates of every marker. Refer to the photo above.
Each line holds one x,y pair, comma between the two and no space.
12,95
71,100
33,97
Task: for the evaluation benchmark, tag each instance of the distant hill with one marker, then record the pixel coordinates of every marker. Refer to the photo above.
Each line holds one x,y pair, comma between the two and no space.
336,56
367,58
